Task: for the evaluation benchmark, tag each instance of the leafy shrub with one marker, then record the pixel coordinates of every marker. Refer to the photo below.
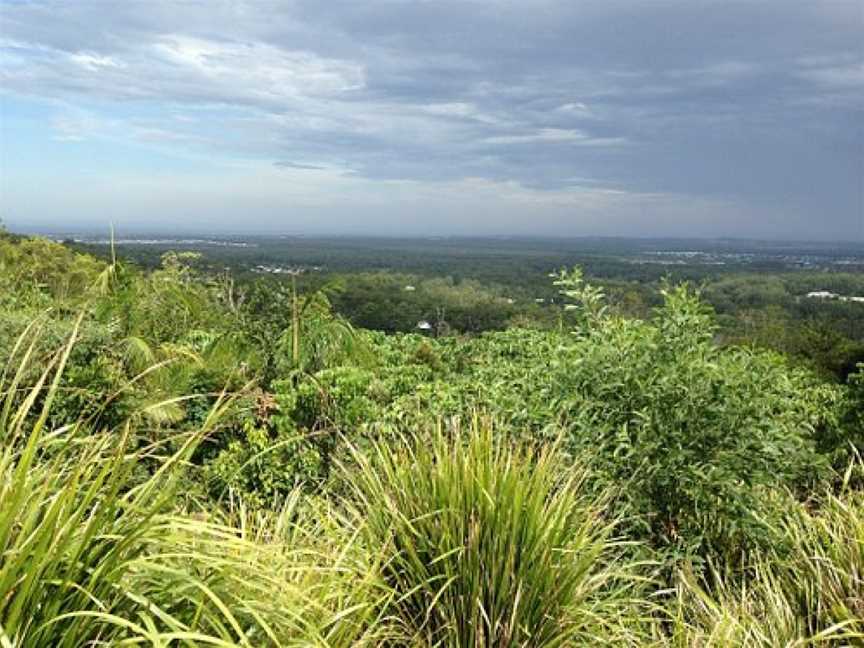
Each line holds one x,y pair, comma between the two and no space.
338,398
694,434
263,467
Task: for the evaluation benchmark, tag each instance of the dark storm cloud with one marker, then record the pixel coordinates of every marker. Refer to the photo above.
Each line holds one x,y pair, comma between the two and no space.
758,103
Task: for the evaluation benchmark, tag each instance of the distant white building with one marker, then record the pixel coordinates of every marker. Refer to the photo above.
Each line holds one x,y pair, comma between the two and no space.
824,294
409,289
423,325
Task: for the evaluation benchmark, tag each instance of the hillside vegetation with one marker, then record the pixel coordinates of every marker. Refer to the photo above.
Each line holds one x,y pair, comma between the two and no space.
187,459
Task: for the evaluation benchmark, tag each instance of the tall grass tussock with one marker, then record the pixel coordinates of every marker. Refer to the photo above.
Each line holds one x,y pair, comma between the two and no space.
91,554
807,593
487,544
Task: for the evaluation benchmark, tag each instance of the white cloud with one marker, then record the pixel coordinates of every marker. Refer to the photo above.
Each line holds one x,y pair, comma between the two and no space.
841,76
258,68
180,68
555,135
94,62
453,109
574,107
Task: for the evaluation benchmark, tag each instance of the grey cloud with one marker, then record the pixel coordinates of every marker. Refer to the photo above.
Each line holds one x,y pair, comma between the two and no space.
287,164
754,101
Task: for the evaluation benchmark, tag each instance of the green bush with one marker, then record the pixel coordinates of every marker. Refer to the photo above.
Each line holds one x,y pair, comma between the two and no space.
263,467
693,435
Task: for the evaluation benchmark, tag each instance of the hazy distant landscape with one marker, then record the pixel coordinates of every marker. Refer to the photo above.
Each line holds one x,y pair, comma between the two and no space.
347,252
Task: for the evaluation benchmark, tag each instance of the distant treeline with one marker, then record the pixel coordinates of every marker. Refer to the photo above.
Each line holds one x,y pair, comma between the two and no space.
759,290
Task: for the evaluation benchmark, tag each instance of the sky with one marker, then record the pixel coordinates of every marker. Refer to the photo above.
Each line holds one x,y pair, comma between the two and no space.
650,118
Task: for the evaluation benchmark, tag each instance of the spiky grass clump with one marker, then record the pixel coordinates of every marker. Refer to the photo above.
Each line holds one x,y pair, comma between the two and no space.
68,522
811,593
264,578
724,610
486,544
91,554
75,520
825,577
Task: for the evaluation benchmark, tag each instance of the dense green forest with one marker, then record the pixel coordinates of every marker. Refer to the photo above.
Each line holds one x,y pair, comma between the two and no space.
757,289
194,453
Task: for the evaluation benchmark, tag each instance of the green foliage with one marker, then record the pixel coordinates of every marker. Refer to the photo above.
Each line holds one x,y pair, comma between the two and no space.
397,302
70,528
825,576
42,272
263,466
588,300
696,433
689,434
91,555
339,398
489,545
325,341
337,500
808,595
856,410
